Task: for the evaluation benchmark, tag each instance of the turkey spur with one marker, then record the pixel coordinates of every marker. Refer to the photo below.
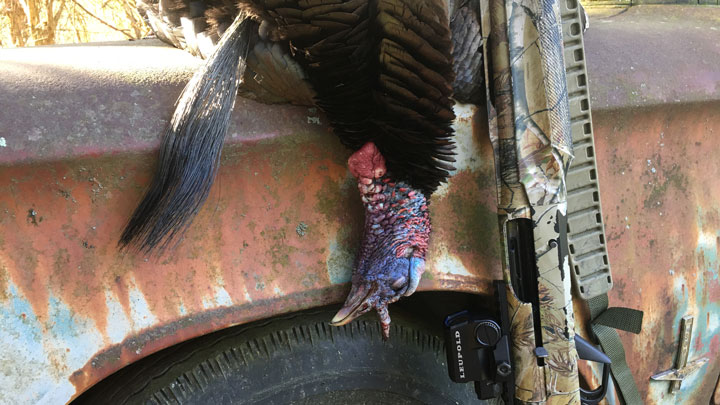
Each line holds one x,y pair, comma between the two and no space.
384,72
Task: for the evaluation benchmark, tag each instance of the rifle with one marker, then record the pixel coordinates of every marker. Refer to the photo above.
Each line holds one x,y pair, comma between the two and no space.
528,352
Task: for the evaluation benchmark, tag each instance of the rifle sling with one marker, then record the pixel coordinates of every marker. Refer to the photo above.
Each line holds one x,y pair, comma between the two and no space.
605,322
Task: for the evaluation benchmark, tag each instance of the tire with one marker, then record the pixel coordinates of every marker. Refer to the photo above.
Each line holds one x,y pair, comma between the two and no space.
298,359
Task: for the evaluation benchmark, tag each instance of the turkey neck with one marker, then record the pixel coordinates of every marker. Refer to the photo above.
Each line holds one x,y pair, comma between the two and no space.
396,217
397,220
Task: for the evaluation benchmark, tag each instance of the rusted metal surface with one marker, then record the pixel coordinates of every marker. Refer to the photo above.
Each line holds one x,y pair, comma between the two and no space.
660,182
278,233
660,194
76,146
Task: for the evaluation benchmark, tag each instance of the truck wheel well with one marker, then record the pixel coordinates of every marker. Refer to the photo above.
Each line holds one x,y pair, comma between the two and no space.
418,317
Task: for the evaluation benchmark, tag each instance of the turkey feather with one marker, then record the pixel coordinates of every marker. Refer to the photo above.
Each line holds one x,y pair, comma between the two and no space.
192,142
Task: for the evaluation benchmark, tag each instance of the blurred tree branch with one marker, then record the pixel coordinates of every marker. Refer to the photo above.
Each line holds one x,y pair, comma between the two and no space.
44,22
124,32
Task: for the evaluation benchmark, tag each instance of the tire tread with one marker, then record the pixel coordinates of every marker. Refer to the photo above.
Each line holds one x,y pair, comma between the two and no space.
199,363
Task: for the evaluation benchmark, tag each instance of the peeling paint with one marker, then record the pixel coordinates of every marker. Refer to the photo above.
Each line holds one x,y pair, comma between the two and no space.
118,324
446,262
222,297
67,342
141,315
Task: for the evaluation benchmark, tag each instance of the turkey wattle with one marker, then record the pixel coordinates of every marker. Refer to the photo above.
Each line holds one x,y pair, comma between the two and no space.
383,72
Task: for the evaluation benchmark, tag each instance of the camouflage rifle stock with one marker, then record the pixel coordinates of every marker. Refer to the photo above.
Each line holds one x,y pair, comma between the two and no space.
528,352
533,151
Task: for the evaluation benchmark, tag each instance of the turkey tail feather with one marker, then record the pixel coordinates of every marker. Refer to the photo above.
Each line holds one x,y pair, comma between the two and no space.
189,155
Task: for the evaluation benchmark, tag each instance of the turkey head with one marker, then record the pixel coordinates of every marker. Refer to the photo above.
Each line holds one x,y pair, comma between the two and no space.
392,254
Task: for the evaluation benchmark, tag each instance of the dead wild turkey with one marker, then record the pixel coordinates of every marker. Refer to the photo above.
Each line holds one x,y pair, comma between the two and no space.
385,73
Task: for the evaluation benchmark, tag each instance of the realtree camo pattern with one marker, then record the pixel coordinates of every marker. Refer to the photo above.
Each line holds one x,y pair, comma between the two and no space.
533,149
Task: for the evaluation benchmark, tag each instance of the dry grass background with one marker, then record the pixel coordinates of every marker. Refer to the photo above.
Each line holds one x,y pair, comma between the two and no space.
46,22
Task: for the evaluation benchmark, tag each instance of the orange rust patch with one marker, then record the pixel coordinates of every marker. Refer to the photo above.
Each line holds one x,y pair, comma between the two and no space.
245,259
656,176
465,221
248,255
163,335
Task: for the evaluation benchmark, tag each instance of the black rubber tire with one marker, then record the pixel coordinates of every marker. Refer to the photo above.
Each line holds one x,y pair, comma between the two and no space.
298,359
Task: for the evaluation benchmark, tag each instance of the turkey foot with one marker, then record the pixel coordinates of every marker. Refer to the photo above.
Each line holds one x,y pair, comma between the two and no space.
395,240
